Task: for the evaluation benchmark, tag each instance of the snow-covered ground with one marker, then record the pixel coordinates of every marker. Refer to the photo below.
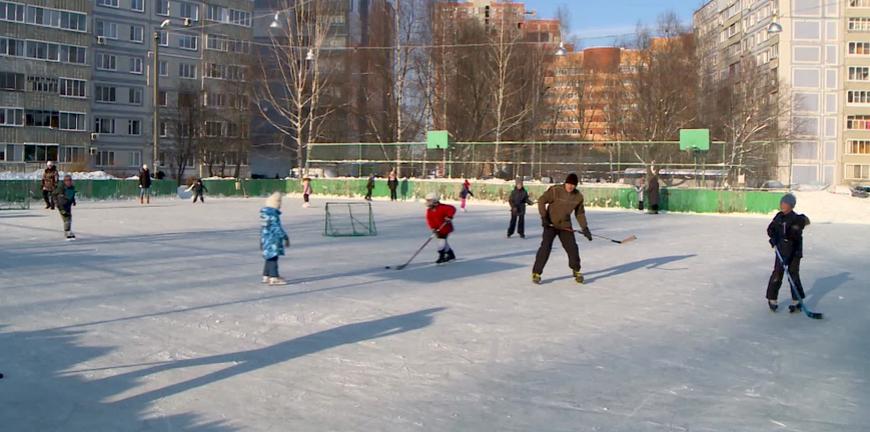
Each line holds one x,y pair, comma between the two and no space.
37,175
155,320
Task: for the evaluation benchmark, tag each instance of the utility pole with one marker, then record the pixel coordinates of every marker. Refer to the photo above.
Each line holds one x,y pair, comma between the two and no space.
155,102
400,90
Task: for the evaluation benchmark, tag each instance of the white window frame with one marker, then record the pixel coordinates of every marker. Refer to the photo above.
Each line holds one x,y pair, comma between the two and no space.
136,61
60,85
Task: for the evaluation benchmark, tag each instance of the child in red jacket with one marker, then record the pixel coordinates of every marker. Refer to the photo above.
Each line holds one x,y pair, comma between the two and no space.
440,219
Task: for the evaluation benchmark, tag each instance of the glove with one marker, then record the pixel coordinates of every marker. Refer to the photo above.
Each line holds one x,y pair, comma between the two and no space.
772,242
587,233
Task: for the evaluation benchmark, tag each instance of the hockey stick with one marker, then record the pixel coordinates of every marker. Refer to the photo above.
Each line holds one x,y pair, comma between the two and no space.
794,293
628,239
426,243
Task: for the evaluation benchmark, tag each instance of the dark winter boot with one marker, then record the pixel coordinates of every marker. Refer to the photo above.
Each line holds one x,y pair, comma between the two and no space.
795,307
536,278
578,277
442,257
772,305
449,256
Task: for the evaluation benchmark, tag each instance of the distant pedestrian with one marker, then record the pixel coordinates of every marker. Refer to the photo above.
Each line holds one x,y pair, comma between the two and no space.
464,193
640,188
144,185
653,192
49,184
273,239
65,199
406,188
306,192
393,184
518,200
370,186
199,190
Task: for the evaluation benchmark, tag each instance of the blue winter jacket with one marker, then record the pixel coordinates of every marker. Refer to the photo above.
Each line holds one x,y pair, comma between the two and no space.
272,234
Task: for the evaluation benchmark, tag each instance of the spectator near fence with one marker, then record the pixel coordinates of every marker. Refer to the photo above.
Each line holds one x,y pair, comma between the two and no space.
393,184
653,192
144,185
49,184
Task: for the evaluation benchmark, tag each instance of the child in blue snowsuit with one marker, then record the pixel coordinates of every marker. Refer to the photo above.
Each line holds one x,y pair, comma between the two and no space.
273,239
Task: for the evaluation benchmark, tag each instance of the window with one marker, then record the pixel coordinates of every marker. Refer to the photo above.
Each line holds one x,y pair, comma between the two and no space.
213,129
42,50
104,125
72,54
11,47
230,16
42,16
226,44
859,73
135,96
106,62
858,97
215,70
105,94
857,172
215,100
104,158
12,81
40,84
41,118
858,147
189,10
164,37
40,152
859,48
136,65
108,3
72,87
162,129
162,7
859,3
72,154
137,5
859,24
215,13
161,98
187,70
106,29
137,33
241,18
72,121
134,127
858,122
164,68
187,42
11,117
11,12
134,159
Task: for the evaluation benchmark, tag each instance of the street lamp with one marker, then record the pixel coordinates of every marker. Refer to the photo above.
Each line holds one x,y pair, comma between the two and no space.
561,51
774,27
275,23
155,77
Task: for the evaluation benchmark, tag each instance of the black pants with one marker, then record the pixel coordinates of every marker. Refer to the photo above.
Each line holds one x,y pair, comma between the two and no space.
518,223
199,196
794,269
270,269
568,243
49,199
305,197
654,208
640,205
368,194
66,215
393,195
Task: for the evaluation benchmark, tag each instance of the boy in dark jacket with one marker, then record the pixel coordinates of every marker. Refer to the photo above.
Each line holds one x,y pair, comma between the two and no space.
439,217
393,184
556,206
65,199
786,235
198,188
518,200
370,186
144,185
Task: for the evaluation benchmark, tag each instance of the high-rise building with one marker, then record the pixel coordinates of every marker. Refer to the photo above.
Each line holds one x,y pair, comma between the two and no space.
820,52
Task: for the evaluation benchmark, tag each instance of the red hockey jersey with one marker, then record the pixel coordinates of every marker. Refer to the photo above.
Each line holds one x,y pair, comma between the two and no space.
436,216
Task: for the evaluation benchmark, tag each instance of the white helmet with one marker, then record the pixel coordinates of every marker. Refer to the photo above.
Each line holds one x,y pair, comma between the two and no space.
432,197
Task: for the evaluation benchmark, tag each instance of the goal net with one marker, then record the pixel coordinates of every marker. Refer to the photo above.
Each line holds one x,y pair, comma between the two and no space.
349,219
15,194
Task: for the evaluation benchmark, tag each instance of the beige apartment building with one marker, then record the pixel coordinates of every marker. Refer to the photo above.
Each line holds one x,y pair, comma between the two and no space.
820,51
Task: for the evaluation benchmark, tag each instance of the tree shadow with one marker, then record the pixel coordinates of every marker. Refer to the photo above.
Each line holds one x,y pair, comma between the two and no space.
242,362
648,263
823,286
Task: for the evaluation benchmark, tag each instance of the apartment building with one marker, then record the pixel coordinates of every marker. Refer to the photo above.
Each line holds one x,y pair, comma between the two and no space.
819,50
45,82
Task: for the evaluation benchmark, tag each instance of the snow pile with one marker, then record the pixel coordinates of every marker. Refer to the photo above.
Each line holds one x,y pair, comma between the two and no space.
827,207
37,175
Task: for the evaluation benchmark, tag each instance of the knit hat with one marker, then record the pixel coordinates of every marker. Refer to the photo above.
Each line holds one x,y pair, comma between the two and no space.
789,199
519,182
274,200
432,197
572,179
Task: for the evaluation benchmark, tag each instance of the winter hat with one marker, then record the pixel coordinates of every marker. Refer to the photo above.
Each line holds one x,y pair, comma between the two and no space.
571,179
432,197
144,166
274,200
789,199
49,164
519,182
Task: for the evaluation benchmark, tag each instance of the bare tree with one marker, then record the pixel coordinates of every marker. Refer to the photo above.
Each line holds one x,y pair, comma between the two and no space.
184,125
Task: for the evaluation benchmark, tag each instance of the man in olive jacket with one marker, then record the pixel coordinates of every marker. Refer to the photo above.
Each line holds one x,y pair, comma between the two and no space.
556,206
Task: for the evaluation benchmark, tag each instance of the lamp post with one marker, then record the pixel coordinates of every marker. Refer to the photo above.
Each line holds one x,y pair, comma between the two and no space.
155,102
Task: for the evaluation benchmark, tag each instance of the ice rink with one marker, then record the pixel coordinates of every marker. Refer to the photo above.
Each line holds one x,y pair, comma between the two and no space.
155,320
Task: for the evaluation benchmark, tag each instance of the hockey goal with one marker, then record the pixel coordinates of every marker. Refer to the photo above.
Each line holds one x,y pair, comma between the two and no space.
349,219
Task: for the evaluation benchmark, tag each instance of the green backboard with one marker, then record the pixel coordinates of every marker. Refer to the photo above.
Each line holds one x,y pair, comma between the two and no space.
437,140
695,139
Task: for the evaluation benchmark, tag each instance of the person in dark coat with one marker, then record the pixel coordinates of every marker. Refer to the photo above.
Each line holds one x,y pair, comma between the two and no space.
393,184
518,200
144,185
198,188
49,184
370,186
653,193
556,206
785,234
65,199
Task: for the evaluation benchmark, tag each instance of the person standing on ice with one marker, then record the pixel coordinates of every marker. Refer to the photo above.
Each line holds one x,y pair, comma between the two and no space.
144,185
556,206
198,189
306,192
65,199
273,239
439,217
393,184
370,186
464,193
49,184
785,234
640,188
653,192
518,200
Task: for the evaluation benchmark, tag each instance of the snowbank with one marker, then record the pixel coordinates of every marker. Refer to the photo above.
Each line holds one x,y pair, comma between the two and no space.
827,207
37,175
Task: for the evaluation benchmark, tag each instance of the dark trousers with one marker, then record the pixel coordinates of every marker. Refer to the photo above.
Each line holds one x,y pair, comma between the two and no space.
270,269
49,199
66,215
368,194
640,205
305,197
776,277
568,243
654,208
393,195
198,195
518,223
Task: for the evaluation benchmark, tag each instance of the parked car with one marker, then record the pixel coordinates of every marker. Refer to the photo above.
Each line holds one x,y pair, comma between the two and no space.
860,191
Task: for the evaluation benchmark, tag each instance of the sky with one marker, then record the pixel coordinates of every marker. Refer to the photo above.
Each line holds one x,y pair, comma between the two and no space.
593,18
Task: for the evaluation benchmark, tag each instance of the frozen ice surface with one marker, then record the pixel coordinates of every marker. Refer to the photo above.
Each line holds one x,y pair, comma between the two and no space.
155,320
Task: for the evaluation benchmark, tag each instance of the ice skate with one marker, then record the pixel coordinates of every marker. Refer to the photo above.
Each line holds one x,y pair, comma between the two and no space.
578,277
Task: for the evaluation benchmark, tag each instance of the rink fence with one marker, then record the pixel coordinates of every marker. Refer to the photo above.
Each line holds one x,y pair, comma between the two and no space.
675,199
